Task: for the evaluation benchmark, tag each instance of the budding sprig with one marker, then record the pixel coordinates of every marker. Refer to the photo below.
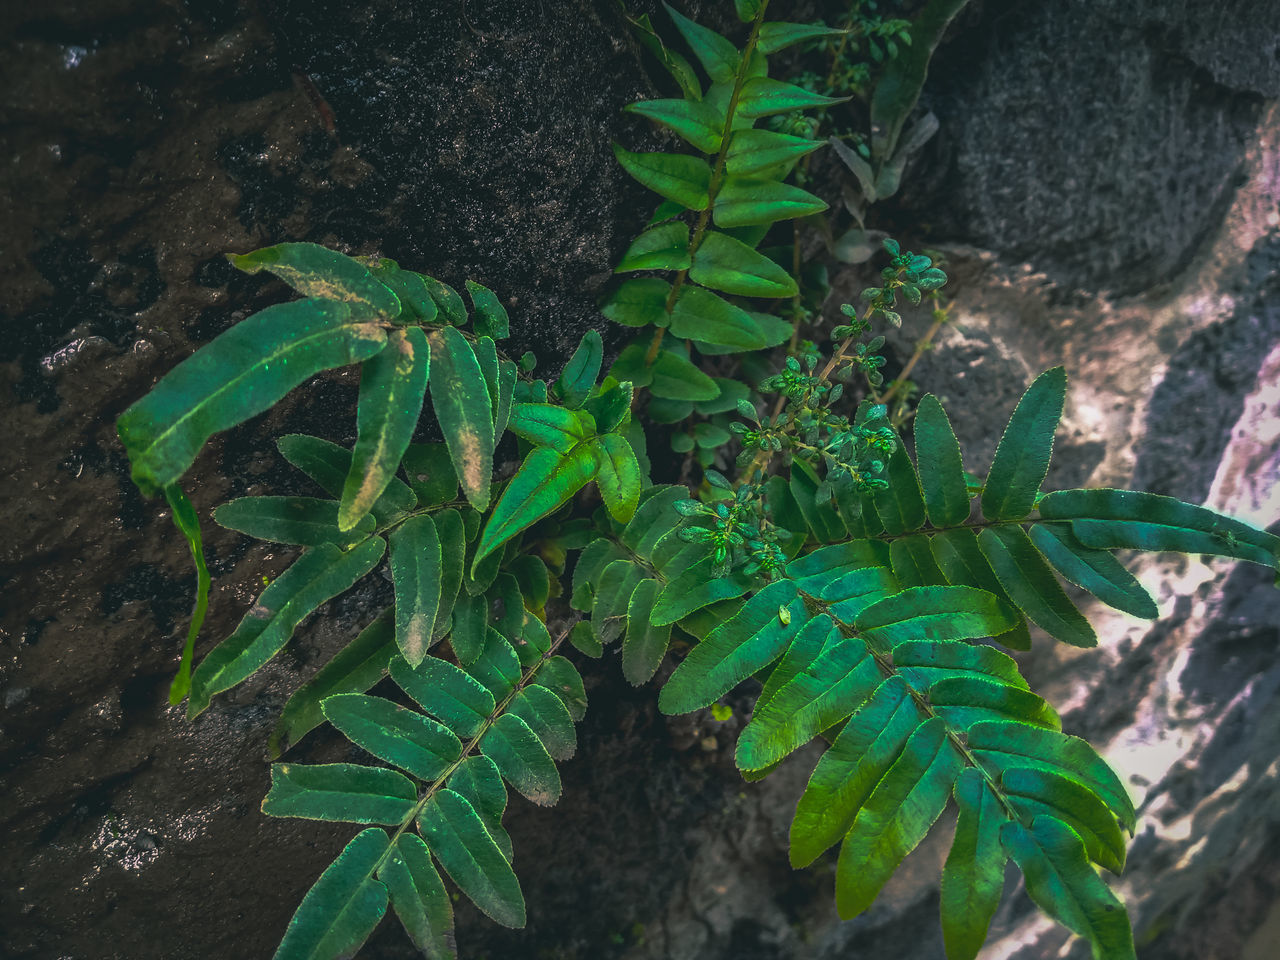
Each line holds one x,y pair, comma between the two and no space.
853,452
737,527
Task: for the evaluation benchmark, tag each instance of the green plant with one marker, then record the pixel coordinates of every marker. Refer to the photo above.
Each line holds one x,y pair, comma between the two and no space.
857,585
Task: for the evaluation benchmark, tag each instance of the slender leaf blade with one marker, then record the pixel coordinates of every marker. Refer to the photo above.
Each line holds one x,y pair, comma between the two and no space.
342,792
545,480
973,877
242,372
1030,583
726,264
316,271
339,912
320,574
419,898
1025,448
354,669
941,468
416,574
458,839
464,408
393,386
1062,883
393,733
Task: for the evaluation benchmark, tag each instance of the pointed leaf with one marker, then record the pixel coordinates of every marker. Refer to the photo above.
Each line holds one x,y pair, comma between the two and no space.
1032,792
644,645
900,505
581,372
847,773
244,371
896,817
305,521
701,315
345,792
697,587
354,669
936,613
458,839
641,301
490,316
754,152
419,898
679,68
522,759
924,662
664,247
1022,457
941,469
1004,744
717,55
697,122
973,878
1030,583
744,201
339,912
724,263
394,733
464,408
675,176
393,386
316,271
1094,570
779,36
188,524
962,561
764,97
546,479
1062,883
833,686
967,699
1146,521
750,640
416,573
550,425
619,476
320,574
457,700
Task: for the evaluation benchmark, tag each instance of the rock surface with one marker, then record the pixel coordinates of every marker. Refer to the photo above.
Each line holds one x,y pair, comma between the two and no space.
1118,212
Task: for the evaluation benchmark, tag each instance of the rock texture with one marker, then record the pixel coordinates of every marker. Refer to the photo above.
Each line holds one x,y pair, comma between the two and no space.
1106,188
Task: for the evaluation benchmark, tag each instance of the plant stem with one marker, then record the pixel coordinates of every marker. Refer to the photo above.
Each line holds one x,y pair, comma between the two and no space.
471,744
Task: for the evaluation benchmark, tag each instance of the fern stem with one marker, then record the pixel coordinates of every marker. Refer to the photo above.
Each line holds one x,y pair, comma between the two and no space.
498,710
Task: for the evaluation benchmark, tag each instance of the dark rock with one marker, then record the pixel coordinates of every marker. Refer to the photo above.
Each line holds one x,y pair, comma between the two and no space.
1101,142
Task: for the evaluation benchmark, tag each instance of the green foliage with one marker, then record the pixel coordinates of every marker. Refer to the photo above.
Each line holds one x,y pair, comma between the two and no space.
861,586
737,184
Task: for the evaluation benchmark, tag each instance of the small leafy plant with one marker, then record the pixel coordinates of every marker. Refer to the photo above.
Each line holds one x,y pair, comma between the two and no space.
866,590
